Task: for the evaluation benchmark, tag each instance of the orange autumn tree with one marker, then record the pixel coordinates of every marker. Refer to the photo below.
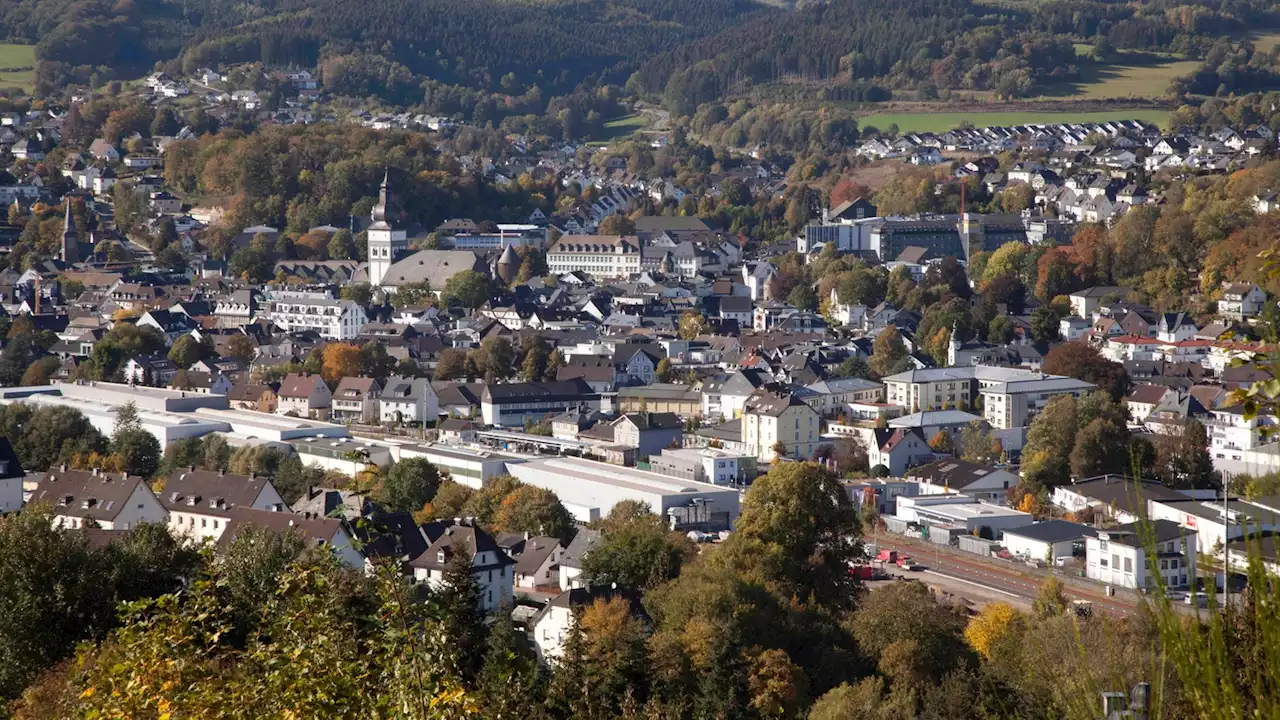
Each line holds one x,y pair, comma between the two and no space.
340,360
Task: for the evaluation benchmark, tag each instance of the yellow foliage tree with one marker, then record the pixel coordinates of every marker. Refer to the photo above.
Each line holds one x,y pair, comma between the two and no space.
1030,504
989,626
340,360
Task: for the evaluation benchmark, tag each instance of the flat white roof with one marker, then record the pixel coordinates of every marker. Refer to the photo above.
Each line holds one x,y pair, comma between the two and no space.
270,421
620,477
102,409
962,511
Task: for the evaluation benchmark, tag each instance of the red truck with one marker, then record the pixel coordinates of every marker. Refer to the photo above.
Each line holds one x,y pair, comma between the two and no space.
888,556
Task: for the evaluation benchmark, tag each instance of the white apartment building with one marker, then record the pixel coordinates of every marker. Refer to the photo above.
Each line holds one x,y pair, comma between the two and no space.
333,319
200,502
772,419
1014,403
601,256
1118,556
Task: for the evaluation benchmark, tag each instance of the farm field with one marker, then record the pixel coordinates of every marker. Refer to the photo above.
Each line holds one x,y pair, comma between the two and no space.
943,121
623,127
12,56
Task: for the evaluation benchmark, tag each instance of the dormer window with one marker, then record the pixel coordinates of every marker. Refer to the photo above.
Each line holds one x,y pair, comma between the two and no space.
440,556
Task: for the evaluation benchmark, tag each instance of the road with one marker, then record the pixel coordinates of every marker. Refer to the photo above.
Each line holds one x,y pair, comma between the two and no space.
975,579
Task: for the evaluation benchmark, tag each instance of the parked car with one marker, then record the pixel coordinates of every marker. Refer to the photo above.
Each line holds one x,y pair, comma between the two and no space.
907,563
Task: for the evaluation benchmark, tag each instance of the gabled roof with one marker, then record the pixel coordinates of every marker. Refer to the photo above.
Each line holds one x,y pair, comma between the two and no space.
206,492
91,495
314,531
298,385
953,473
459,536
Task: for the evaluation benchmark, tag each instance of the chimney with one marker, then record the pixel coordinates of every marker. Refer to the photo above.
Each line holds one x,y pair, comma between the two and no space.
221,472
1113,703
95,472
62,467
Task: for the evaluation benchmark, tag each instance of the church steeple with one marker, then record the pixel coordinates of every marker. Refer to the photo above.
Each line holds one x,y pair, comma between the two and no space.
382,210
387,242
70,238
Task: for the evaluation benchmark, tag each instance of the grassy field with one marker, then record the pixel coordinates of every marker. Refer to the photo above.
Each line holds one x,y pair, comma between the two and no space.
943,121
623,127
17,56
1266,41
1144,78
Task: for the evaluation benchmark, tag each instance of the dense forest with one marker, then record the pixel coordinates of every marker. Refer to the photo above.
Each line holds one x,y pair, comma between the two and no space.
465,58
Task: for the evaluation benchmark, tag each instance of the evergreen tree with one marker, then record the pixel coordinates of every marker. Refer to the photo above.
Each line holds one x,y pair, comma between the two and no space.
461,616
509,678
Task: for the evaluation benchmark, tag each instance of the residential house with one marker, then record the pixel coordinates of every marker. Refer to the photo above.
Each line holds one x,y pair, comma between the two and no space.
1241,301
304,395
1114,497
571,559
950,475
779,424
91,498
552,625
648,432
1085,302
355,399
536,559
637,363
1143,399
103,149
898,449
200,502
248,396
408,400
155,370
490,565
315,532
11,478
1118,556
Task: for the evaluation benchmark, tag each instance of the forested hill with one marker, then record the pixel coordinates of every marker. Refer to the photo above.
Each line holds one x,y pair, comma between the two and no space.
1014,49
556,44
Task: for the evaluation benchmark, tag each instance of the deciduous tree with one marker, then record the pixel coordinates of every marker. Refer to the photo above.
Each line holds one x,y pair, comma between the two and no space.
340,360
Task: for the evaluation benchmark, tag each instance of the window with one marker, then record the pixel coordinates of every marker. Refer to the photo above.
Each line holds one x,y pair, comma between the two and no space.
203,521
1128,565
1115,560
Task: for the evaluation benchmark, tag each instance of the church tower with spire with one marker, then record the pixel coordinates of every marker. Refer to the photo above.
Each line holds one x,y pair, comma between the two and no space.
70,239
387,243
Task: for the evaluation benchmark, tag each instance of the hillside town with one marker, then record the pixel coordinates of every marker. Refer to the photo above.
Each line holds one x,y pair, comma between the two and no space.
990,414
